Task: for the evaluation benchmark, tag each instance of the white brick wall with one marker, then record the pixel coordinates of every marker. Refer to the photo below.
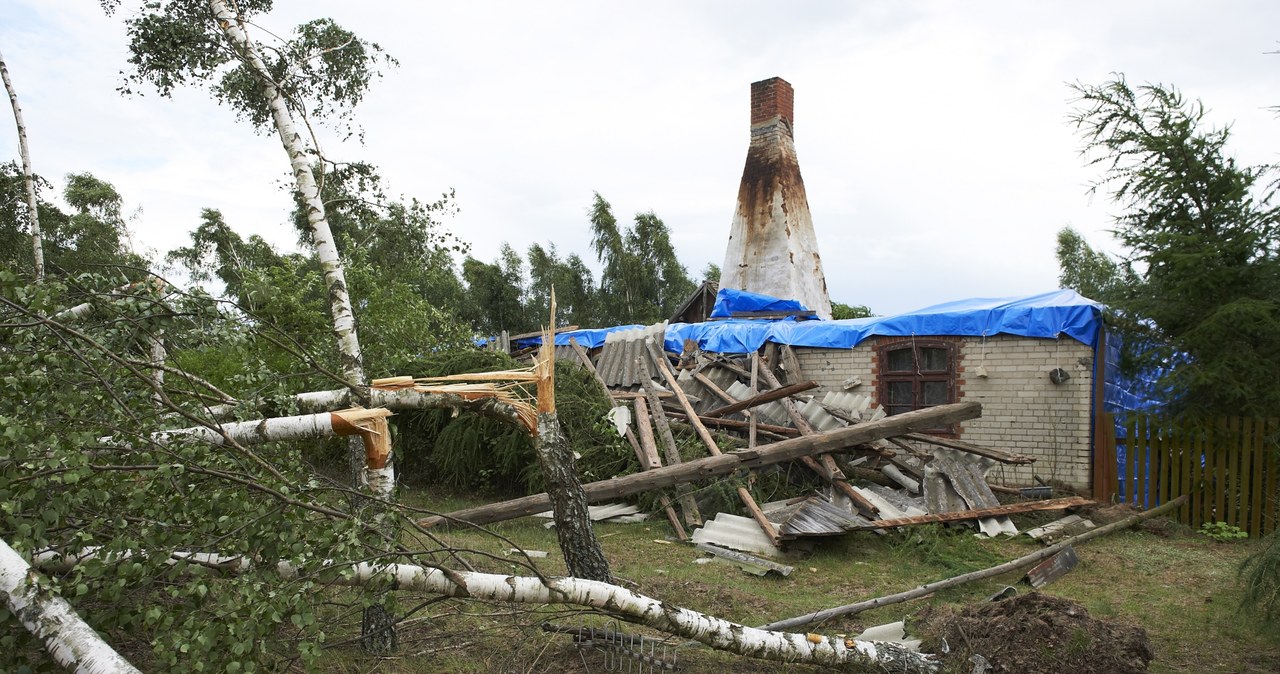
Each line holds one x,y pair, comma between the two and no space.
1022,410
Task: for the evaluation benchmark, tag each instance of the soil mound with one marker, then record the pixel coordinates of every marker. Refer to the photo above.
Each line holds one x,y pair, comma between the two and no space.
1036,632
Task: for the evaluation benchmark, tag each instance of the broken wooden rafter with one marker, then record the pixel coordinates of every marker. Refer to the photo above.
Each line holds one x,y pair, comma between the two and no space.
744,495
998,511
647,454
756,401
776,431
952,443
714,466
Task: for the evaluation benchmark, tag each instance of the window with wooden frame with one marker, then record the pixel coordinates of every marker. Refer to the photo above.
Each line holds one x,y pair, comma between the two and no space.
916,373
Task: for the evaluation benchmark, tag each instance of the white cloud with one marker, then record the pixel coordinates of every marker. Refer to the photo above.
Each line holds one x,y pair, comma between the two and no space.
932,135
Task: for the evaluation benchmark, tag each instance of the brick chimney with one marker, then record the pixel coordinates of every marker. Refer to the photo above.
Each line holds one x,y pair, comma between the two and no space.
773,248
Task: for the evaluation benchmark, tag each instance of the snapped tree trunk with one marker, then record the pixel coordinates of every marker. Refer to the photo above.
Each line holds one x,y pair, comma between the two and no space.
582,552
33,205
344,326
578,542
72,643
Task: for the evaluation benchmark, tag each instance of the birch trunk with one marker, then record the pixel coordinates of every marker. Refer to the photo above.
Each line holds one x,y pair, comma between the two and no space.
849,654
344,326
72,643
33,205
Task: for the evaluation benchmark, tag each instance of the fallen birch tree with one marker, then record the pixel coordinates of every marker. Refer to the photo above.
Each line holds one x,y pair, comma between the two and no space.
33,205
714,466
849,654
69,640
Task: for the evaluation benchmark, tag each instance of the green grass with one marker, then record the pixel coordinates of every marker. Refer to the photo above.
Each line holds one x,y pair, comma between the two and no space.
1181,587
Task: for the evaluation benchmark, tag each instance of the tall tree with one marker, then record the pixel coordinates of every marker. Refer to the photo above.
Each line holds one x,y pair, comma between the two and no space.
496,293
572,280
643,280
1202,266
1090,272
33,204
322,72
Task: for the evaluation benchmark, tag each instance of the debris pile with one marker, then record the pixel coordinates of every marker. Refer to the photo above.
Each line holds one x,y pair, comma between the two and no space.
1036,632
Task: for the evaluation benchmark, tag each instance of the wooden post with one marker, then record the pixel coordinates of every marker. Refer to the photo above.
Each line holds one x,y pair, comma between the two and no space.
690,507
748,501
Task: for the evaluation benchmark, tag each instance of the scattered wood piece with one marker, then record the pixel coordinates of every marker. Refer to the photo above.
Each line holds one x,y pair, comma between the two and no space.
714,466
688,506
769,429
1011,509
748,501
952,443
756,401
930,588
1053,568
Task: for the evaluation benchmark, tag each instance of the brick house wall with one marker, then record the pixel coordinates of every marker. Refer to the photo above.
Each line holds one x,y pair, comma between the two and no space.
1022,409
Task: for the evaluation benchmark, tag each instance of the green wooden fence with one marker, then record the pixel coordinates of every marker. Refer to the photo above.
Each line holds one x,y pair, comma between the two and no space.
1229,467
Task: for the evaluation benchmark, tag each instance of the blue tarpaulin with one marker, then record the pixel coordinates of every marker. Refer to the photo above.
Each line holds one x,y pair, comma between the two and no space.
1047,315
588,338
730,301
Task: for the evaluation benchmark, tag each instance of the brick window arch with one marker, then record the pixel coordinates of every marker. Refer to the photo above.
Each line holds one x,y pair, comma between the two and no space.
914,373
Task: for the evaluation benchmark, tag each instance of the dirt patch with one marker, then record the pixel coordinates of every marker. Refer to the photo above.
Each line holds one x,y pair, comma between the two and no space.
1035,632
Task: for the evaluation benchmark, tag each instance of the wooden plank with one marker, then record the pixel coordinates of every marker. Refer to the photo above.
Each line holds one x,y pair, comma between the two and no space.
649,458
1104,456
687,505
711,386
1198,462
748,502
998,511
955,443
825,466
714,466
1163,460
753,418
738,424
791,365
767,396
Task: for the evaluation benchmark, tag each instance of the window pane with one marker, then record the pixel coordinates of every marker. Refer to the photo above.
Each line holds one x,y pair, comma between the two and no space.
900,360
900,393
933,393
891,410
933,360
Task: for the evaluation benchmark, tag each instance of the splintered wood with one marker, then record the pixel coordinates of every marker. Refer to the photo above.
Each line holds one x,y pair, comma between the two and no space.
475,386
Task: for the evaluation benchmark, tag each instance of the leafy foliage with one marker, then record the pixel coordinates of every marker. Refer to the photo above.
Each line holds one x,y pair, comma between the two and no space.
643,280
842,311
1199,288
71,481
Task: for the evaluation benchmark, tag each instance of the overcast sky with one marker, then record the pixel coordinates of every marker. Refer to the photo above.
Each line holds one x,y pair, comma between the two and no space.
932,136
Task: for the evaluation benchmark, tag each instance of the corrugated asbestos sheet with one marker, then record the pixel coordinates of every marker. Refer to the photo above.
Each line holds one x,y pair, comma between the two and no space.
617,361
955,481
813,516
736,533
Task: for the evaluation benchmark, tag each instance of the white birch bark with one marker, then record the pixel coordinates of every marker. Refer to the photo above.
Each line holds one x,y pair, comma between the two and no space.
33,206
344,325
70,641
852,655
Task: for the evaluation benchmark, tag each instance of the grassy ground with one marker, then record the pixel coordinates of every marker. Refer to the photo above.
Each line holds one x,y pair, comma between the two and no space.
1178,585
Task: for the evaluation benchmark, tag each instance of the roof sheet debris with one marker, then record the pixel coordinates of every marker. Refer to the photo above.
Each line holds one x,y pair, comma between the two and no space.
1070,525
1053,568
749,563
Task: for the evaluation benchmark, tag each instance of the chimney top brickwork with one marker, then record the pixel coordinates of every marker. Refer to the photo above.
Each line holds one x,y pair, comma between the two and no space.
773,248
771,98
